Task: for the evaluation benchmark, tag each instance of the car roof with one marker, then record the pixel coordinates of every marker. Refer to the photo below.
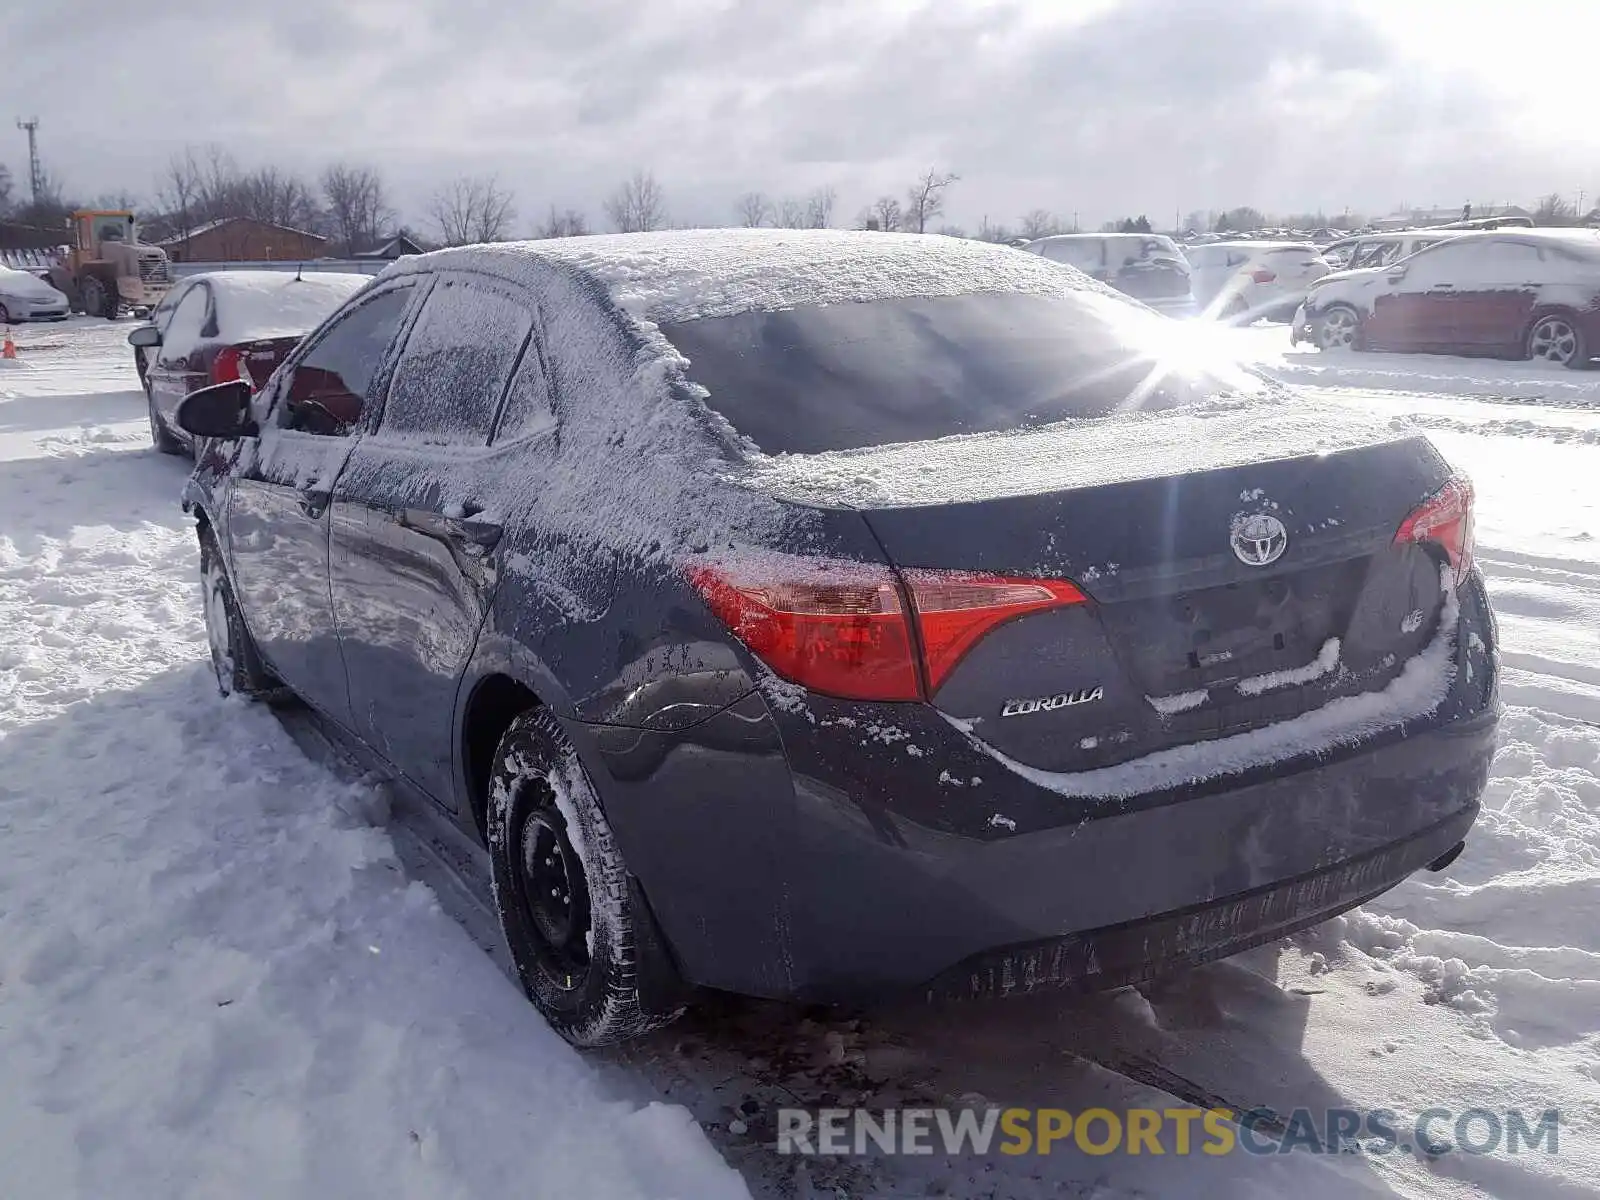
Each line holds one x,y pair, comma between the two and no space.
682,275
1250,244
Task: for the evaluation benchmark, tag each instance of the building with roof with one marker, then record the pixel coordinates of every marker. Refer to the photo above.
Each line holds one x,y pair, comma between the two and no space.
244,239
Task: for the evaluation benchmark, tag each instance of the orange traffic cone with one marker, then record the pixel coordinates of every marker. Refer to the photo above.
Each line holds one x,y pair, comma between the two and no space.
9,350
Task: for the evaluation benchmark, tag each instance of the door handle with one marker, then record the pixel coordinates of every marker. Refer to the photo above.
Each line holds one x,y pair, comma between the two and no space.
312,502
1443,287
468,532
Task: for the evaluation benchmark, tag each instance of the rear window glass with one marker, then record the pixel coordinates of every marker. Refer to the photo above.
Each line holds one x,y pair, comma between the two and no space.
841,377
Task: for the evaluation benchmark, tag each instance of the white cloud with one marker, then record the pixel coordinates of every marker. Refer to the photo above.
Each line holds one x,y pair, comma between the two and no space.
1102,108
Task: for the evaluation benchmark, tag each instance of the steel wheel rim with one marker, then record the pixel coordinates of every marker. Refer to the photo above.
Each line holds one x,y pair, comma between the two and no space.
1554,340
555,897
1338,330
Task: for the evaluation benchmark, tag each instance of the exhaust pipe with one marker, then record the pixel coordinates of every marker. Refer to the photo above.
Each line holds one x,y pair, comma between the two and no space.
1448,857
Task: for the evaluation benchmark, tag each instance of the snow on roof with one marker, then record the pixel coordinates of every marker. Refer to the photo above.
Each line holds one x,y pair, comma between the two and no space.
256,305
688,274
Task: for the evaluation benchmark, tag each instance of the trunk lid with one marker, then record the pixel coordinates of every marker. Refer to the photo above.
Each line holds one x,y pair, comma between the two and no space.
1182,639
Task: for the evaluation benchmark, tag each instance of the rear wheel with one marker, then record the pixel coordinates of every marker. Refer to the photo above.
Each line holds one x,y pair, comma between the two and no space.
5,314
1556,338
584,942
238,667
1340,328
160,436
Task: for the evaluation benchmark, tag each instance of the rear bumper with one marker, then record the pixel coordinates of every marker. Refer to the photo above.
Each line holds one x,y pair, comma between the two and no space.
840,852
1118,955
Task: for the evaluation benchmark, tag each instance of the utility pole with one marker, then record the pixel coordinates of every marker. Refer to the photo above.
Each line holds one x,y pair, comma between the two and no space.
35,171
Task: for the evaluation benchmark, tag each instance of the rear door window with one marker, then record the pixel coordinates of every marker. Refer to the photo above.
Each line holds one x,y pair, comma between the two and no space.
449,380
529,406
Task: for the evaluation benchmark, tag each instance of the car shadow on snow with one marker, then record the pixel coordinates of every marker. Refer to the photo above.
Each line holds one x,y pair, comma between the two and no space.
31,414
89,477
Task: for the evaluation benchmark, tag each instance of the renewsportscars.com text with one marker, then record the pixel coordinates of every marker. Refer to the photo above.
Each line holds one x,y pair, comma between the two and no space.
1161,1131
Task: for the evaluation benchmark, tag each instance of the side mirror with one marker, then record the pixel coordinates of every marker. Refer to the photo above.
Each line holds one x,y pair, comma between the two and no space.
219,411
144,335
1396,275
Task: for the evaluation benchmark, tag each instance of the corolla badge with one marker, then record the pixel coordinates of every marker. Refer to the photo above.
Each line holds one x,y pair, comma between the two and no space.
1258,540
1021,708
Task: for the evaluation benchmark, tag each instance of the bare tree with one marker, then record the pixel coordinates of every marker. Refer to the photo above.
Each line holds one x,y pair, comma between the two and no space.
1039,223
791,213
925,199
178,192
819,207
358,206
471,209
885,211
638,205
5,189
278,197
1553,210
569,223
753,209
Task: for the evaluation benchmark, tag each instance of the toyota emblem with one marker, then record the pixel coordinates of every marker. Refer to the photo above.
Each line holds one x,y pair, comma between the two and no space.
1258,540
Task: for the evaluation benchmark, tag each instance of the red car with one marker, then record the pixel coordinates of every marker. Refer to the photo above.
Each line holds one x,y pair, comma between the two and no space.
1528,293
227,325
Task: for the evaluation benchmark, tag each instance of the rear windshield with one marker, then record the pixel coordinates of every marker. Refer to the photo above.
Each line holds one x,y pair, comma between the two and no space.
840,377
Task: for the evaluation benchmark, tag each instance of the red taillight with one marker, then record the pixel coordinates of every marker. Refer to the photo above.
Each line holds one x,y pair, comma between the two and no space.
229,365
841,627
955,609
1444,518
834,627
1262,275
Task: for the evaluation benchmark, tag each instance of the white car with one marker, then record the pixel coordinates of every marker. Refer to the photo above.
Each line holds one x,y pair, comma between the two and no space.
1382,249
1245,280
25,297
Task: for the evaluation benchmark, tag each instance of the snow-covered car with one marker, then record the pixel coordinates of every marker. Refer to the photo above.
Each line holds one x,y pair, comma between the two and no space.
1147,266
1531,293
1381,249
227,325
822,615
26,297
1246,280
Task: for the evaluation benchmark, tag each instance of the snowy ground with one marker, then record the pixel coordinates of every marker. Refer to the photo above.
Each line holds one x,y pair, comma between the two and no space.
227,968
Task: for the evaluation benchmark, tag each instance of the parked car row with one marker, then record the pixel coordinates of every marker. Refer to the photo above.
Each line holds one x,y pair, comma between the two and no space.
1222,280
1524,293
826,616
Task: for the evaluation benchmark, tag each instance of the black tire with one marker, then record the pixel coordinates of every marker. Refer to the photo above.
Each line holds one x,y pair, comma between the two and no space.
99,299
234,660
1557,338
5,314
589,955
161,437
